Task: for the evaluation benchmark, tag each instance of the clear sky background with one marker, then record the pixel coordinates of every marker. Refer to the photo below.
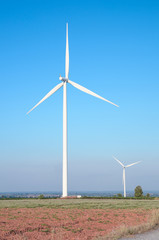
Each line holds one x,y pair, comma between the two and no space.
114,51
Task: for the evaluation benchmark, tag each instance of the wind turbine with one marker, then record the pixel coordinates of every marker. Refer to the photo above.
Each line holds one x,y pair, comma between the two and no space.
64,81
124,172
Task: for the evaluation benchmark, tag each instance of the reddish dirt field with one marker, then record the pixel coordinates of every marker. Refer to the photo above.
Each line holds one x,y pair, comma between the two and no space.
62,224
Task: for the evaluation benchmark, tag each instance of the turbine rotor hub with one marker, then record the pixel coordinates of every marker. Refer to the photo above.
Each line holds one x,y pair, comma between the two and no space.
64,79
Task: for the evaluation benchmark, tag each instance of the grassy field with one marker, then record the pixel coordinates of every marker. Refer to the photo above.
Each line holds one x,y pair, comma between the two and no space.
81,203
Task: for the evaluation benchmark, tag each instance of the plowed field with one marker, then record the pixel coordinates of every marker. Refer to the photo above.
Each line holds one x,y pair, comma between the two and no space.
61,224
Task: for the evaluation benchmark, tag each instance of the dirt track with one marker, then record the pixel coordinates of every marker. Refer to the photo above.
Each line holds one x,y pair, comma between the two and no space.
151,235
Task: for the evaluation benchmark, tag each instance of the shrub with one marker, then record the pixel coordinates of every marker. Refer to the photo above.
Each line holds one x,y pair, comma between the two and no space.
138,191
119,195
41,196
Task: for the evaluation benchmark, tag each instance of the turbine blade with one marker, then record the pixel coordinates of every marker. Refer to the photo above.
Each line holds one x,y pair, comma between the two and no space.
123,177
118,161
89,92
132,164
47,95
67,54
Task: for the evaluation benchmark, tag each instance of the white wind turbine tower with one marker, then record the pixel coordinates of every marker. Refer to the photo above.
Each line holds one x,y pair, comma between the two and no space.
64,81
124,182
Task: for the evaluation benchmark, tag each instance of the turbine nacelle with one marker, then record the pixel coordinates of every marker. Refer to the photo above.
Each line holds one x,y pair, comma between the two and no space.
64,79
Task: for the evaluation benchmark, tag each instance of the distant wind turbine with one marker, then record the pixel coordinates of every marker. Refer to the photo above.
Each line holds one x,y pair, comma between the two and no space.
63,84
124,182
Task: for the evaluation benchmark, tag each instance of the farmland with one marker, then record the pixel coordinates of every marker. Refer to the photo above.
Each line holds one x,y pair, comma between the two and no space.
81,203
71,218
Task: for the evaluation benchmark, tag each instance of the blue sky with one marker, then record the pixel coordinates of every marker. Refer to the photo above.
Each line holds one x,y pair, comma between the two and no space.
114,52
